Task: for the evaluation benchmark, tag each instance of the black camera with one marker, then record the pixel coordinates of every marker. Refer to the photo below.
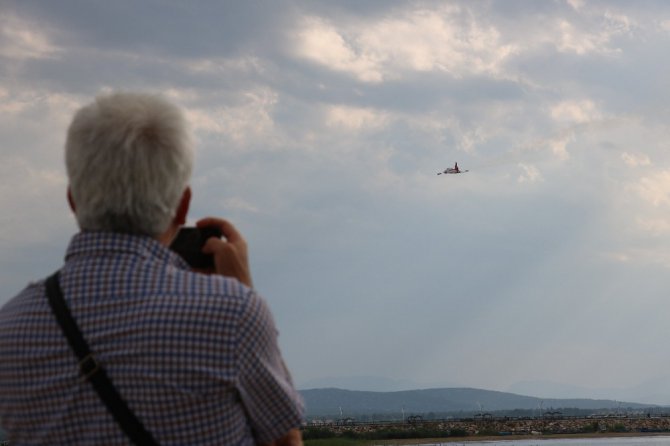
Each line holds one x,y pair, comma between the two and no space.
189,242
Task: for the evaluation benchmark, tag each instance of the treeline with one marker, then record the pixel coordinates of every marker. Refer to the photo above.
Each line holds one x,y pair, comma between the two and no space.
317,433
478,429
516,413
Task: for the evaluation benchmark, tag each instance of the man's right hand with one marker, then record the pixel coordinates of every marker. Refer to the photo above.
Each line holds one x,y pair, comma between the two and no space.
231,257
292,438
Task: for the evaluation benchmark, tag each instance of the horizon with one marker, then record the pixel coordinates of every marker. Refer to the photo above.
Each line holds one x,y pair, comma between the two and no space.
464,402
538,389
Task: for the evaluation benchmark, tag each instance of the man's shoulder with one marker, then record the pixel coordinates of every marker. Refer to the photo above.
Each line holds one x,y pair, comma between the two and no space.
214,296
188,290
29,296
198,284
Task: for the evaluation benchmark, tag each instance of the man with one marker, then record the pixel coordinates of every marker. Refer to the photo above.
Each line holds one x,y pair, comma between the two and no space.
193,355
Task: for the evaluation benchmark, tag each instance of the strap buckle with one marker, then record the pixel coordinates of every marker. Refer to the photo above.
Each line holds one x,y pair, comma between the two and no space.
88,367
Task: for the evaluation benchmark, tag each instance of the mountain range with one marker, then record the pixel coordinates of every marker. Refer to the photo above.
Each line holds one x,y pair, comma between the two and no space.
653,391
334,402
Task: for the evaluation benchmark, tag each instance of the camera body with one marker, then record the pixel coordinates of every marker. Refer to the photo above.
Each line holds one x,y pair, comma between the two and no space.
189,242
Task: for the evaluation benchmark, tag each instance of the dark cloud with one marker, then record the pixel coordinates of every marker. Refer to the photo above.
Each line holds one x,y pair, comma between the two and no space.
211,28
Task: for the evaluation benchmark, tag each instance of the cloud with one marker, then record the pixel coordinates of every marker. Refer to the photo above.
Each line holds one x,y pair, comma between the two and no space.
31,118
24,183
218,66
10,105
655,189
635,160
574,115
448,39
572,111
323,43
356,119
34,183
247,120
654,226
21,39
240,204
576,4
530,174
559,147
572,37
640,257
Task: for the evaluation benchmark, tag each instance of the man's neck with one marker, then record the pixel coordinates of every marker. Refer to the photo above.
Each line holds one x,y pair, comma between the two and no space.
166,238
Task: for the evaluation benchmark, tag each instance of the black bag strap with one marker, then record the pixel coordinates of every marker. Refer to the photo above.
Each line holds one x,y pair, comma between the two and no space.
91,370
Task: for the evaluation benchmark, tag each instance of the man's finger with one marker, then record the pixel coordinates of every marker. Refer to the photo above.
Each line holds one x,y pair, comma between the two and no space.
228,230
215,245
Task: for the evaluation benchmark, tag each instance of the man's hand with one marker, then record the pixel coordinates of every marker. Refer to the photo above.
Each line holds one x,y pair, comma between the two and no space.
230,255
292,438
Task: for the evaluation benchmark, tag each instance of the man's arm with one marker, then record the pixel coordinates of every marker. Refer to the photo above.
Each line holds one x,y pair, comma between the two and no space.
274,407
292,438
231,258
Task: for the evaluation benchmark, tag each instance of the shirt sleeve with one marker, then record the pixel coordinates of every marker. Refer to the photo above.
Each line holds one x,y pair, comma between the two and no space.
272,404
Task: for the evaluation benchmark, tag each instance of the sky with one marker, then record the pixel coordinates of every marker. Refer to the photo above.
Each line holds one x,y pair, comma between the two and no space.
320,127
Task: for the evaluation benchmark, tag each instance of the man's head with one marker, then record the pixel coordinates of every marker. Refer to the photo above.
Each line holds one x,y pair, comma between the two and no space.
129,159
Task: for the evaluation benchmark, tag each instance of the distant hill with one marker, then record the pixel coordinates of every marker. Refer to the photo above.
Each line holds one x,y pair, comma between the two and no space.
322,402
651,391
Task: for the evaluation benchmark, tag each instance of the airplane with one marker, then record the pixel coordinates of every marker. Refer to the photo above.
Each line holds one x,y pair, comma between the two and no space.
454,169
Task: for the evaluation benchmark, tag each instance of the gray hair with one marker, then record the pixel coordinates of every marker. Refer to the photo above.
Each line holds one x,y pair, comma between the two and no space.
129,158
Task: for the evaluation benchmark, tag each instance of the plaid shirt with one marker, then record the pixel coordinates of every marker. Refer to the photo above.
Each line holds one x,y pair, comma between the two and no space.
194,356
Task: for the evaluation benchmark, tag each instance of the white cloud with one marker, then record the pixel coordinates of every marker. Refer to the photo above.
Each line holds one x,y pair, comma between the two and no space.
322,43
617,23
530,174
10,105
578,112
559,146
35,121
573,114
467,136
654,226
576,4
448,39
356,118
23,185
239,203
20,39
640,257
59,104
619,257
220,66
572,38
635,159
247,121
451,38
655,189
34,181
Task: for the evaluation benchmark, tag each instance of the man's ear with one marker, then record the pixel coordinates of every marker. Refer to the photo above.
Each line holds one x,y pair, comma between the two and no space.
182,210
70,200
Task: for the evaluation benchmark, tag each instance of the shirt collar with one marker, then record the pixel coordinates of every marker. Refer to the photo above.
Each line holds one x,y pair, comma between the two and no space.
95,243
